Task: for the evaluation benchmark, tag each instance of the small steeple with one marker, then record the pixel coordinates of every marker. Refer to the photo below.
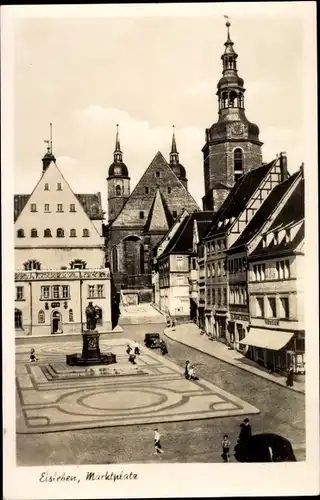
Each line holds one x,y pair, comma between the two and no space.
174,155
48,157
117,155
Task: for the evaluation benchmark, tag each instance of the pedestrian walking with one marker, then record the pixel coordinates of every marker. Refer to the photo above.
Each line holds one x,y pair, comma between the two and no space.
129,349
173,324
186,369
289,381
245,431
157,445
136,349
225,448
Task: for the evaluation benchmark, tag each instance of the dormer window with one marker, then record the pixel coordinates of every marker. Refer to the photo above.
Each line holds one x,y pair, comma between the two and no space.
33,207
59,186
59,207
72,207
46,187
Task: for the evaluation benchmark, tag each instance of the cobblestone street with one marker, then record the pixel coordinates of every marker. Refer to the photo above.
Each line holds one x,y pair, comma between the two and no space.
281,411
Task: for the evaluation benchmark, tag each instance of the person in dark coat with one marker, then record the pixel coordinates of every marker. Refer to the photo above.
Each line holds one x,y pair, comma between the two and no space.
186,369
290,377
266,447
245,430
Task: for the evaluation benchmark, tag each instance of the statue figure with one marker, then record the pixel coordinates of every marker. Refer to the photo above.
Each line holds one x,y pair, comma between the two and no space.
91,317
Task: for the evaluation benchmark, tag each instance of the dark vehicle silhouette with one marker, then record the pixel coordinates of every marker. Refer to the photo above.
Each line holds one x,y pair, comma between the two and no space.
152,340
264,448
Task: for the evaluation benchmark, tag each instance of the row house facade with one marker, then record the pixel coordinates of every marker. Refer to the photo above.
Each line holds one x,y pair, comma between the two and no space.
59,258
239,208
276,338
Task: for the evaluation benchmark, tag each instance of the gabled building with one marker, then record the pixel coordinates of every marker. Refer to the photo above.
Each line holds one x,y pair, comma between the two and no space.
138,220
59,257
175,264
234,215
237,259
276,338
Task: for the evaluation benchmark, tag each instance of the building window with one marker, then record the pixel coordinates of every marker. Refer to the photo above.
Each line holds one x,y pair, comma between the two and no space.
47,233
32,265
146,190
90,291
100,291
17,318
118,190
59,186
272,307
65,291
41,316
45,292
213,271
169,189
73,233
72,207
78,264
284,307
208,271
238,163
55,292
283,269
85,233
260,307
99,315
60,233
141,215
179,280
114,260
219,269
259,272
59,207
71,315
157,174
46,207
20,233
174,214
33,207
46,187
287,236
225,297
34,233
19,293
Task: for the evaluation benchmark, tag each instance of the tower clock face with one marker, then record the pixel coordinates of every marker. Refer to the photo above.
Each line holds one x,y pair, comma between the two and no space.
237,129
117,170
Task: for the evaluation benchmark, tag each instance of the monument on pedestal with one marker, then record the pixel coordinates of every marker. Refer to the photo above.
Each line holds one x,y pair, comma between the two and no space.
91,354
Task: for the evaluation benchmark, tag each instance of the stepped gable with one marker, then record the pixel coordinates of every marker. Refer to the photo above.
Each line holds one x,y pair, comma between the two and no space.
158,176
238,198
264,212
91,204
182,240
159,218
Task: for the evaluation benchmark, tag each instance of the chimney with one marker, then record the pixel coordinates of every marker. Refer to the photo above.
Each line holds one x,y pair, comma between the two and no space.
283,166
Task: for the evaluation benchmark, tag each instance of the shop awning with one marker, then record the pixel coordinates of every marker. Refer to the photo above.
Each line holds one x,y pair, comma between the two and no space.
267,339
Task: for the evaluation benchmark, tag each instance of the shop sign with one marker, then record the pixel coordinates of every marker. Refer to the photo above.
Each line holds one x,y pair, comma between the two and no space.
272,322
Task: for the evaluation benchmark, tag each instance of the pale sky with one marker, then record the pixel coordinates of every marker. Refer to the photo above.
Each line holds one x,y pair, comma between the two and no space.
86,74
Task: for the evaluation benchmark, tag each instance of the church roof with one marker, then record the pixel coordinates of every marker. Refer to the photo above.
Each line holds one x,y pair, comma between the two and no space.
91,204
237,199
182,240
159,218
123,170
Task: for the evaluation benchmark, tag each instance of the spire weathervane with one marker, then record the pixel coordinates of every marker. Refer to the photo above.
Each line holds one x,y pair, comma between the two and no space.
228,24
49,141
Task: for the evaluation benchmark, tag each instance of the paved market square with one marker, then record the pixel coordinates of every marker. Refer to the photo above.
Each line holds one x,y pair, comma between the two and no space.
152,391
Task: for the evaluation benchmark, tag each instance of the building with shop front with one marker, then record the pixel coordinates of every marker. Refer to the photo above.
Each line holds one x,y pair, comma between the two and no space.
228,223
59,257
138,220
276,338
237,259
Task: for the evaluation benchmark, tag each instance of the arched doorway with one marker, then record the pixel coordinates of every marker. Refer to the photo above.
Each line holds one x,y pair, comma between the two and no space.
56,322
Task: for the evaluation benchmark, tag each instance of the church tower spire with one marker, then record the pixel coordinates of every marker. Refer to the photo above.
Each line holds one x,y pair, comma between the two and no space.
174,155
175,164
117,155
118,182
232,145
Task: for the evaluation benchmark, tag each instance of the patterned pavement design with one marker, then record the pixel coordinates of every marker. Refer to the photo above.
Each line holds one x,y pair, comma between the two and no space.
160,394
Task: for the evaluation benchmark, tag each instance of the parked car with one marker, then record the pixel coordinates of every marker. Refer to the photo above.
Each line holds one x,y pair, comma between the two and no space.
152,340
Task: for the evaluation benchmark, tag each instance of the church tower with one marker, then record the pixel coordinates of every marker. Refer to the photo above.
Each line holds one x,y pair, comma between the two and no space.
118,182
232,143
176,166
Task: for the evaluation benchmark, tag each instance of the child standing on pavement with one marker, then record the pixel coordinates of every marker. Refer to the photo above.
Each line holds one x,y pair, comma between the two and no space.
225,448
157,445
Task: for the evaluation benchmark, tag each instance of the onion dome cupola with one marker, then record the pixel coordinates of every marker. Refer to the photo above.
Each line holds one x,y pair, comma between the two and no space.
175,165
118,168
49,156
230,92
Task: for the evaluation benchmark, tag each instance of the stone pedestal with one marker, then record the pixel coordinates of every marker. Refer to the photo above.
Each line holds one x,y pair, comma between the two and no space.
91,354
